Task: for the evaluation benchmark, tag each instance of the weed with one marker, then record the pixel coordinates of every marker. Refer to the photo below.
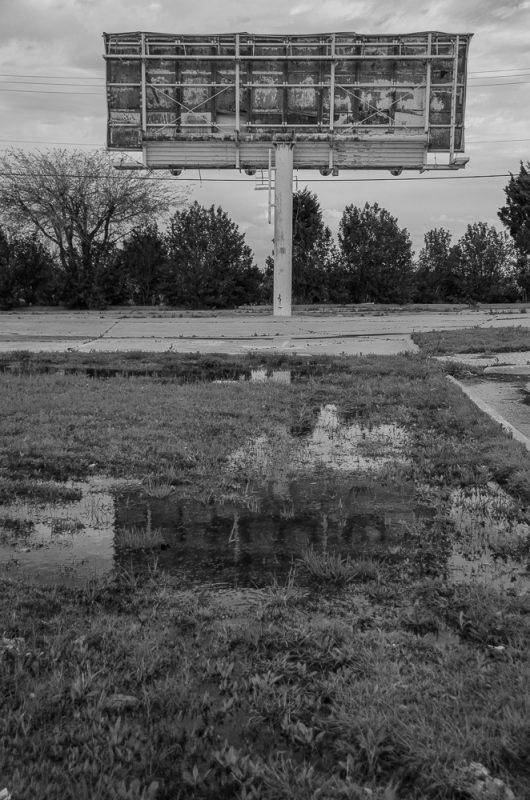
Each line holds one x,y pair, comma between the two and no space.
334,569
157,488
278,599
139,538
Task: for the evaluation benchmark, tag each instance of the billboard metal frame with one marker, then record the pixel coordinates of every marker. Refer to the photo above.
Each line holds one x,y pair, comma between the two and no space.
347,100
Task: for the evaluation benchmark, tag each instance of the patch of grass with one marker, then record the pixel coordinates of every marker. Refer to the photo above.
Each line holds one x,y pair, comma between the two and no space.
354,678
334,569
474,340
136,538
159,488
136,684
41,491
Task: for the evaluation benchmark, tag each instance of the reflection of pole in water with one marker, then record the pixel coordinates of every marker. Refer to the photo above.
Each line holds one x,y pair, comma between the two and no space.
235,537
324,518
281,376
341,516
275,375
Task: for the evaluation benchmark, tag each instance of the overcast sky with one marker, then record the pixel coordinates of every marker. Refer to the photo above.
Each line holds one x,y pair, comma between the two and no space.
52,94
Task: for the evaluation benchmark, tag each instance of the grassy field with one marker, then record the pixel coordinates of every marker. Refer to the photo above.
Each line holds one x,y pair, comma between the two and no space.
474,340
354,678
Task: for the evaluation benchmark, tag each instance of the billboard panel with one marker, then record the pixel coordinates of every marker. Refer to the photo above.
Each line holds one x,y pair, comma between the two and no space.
344,99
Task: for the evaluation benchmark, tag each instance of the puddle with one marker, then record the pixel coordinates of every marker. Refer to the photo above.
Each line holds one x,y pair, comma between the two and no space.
324,488
184,373
252,536
65,543
330,444
225,544
492,545
248,537
260,376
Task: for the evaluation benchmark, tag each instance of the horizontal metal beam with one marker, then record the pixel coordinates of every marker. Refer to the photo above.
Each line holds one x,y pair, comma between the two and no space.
278,57
283,85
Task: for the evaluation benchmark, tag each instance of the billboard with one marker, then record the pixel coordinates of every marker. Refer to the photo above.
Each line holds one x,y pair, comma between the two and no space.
344,100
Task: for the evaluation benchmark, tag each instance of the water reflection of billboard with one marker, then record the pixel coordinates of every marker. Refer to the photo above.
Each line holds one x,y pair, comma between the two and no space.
222,100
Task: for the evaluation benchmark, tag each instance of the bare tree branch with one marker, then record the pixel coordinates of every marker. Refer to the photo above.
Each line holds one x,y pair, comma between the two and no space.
78,201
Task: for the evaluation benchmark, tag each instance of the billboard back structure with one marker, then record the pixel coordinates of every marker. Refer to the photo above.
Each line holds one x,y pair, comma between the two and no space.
343,100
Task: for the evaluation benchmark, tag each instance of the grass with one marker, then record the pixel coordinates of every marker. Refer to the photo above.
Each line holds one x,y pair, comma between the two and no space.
370,677
474,340
148,688
332,568
136,538
42,491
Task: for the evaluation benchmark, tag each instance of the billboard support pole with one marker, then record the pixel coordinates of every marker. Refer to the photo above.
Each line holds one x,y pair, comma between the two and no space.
238,98
283,229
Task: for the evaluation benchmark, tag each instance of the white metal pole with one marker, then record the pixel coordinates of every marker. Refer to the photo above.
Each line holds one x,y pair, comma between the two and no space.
283,229
144,86
453,100
270,204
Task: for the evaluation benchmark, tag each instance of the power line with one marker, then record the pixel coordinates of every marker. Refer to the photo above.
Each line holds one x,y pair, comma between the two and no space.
503,69
44,141
492,141
49,83
518,70
505,83
46,91
102,85
351,180
151,177
58,77
99,144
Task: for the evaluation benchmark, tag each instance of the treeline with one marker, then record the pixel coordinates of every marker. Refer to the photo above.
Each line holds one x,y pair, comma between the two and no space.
202,261
60,246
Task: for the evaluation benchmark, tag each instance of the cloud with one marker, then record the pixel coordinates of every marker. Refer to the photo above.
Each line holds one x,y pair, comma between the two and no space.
63,37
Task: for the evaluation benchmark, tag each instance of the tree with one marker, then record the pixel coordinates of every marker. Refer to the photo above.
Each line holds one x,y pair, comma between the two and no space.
437,274
487,264
37,278
139,267
377,255
27,271
208,263
7,273
312,245
515,215
314,253
81,205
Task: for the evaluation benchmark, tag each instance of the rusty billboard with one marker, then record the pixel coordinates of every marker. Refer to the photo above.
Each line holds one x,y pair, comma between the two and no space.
344,100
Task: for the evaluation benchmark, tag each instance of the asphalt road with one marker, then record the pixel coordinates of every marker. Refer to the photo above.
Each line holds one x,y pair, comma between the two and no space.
350,333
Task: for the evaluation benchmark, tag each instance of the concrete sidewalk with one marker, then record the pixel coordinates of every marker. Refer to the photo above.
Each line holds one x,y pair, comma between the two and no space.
124,330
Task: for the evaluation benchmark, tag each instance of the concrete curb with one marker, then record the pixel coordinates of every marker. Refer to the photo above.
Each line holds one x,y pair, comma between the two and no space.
495,416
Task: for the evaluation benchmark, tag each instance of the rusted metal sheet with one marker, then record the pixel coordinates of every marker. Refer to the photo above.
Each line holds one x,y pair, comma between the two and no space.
382,154
250,88
183,154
